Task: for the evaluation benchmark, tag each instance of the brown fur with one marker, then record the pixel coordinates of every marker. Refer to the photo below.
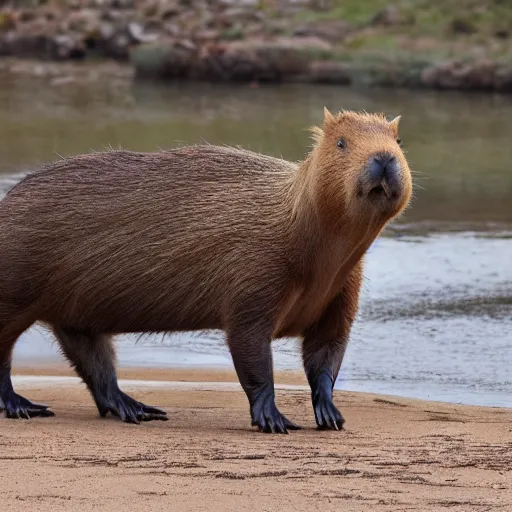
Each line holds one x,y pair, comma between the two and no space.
200,237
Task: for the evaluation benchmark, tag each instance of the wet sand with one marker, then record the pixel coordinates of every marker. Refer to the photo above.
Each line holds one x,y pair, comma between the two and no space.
395,454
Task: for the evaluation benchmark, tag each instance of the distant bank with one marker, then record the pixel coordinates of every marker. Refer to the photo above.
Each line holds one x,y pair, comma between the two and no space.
456,45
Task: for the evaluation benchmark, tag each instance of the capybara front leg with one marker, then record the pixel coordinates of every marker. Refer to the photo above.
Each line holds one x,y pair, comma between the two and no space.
322,365
93,358
252,357
323,349
14,405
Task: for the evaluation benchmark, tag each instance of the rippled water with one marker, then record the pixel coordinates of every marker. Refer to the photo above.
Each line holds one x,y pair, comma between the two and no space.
436,315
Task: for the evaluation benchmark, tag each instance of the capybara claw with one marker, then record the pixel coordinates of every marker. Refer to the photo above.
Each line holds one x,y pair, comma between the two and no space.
268,419
18,407
131,411
327,416
290,425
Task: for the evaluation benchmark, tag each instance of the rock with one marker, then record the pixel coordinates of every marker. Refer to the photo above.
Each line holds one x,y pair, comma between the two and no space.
107,30
440,76
138,34
112,16
154,25
255,61
169,11
503,79
116,40
46,46
461,26
163,60
171,29
117,46
26,15
74,4
459,75
121,4
480,76
187,44
207,35
331,30
67,47
330,72
243,14
7,42
95,4
502,33
86,21
251,3
51,14
249,61
390,16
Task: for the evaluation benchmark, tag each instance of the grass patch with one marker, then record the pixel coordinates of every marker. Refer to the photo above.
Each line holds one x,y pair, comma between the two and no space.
353,11
422,17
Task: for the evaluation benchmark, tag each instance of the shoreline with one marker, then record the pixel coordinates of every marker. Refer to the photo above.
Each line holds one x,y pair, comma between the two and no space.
184,376
395,454
177,373
157,63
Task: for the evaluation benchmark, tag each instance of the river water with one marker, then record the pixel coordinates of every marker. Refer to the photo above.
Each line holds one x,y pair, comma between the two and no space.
436,314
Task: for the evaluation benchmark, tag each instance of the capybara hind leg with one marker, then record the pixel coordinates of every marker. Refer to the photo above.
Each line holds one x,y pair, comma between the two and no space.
323,349
14,405
252,357
93,358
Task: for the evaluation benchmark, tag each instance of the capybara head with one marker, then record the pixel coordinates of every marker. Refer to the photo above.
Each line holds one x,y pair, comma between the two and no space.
359,165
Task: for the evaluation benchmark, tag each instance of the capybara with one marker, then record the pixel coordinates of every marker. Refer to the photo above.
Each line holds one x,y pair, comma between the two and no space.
196,238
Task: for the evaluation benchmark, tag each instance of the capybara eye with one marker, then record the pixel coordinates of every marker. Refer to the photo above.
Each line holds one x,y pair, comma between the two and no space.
399,142
341,143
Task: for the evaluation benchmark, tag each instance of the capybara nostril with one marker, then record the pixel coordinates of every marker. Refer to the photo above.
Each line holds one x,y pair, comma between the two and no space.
376,169
383,175
380,165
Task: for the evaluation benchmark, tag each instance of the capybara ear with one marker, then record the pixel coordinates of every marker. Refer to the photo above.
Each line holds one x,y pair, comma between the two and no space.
394,125
328,117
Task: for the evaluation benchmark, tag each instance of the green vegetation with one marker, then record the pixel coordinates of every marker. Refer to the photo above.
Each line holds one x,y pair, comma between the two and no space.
353,11
382,39
440,28
427,16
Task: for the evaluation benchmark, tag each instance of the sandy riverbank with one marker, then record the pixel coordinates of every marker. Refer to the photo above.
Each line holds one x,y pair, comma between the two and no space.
396,454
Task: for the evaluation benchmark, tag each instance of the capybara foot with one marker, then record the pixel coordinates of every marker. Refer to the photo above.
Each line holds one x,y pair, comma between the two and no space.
327,415
268,419
131,411
16,406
